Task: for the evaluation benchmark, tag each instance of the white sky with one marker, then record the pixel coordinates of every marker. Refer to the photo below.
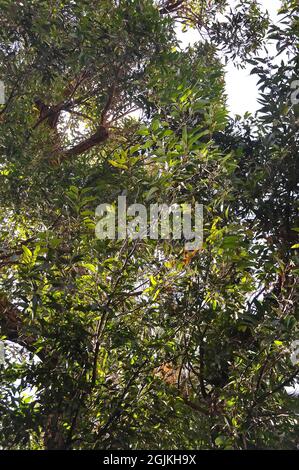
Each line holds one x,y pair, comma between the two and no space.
241,87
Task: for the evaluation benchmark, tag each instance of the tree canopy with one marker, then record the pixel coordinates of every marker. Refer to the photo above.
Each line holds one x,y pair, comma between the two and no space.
138,343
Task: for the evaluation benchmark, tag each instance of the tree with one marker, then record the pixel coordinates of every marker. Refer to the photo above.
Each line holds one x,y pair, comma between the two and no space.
138,343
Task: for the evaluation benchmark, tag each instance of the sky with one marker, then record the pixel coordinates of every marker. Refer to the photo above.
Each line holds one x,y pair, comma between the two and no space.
241,87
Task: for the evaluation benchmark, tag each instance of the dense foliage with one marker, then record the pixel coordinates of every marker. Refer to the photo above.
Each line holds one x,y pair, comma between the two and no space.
138,343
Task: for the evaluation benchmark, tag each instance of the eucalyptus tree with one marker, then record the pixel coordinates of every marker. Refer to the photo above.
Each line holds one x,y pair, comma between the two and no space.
139,343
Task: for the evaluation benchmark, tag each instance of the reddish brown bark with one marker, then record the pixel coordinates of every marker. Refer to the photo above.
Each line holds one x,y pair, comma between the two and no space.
12,326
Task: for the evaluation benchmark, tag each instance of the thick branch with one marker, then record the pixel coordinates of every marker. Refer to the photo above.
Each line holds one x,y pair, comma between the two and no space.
100,136
170,7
